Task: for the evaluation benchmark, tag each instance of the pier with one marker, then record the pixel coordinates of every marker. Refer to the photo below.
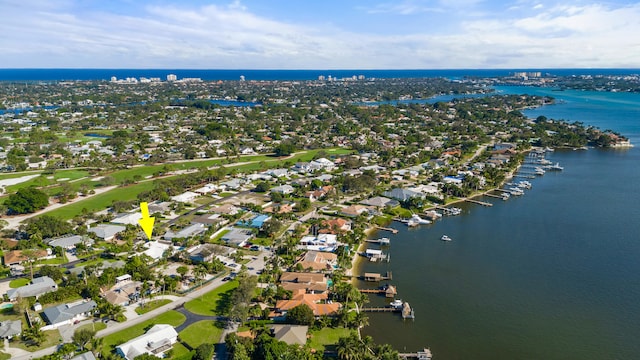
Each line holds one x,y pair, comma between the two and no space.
479,202
381,309
393,231
494,196
381,241
375,277
425,354
390,291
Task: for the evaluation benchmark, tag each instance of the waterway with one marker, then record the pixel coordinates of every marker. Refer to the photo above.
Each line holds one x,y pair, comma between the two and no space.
549,275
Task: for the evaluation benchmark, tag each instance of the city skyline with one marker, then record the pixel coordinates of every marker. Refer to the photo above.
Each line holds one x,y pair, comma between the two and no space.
279,34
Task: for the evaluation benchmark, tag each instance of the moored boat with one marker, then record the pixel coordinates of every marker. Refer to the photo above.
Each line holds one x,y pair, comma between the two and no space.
445,238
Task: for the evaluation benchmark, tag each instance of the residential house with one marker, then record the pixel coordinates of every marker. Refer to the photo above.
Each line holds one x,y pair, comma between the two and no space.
189,231
128,218
334,226
86,356
38,286
10,328
185,197
290,334
380,202
66,314
226,209
207,189
69,242
238,237
107,231
403,194
207,252
124,292
159,207
310,282
283,189
256,222
318,260
209,219
156,249
353,210
15,257
316,302
156,341
233,184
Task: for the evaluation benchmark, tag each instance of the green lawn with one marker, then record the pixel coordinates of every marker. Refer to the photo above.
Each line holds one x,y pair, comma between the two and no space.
179,351
214,302
201,332
327,336
4,356
151,305
53,338
96,325
19,282
111,341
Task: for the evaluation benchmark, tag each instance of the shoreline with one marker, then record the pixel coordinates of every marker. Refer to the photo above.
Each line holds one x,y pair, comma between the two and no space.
355,260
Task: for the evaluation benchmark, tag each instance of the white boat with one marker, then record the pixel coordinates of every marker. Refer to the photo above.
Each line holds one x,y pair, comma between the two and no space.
556,167
419,220
515,191
412,223
396,304
524,184
455,211
505,196
539,171
544,162
445,238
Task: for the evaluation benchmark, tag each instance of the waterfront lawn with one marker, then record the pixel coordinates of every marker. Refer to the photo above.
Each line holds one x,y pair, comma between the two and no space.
19,282
180,352
326,337
151,305
201,332
213,303
52,338
170,317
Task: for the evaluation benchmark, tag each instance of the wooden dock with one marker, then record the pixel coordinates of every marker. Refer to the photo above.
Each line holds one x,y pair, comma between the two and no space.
381,309
393,231
425,354
375,277
479,202
389,292
494,196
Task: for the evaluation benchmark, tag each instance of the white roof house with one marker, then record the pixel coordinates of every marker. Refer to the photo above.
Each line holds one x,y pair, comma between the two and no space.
128,218
106,231
185,197
155,249
156,341
38,286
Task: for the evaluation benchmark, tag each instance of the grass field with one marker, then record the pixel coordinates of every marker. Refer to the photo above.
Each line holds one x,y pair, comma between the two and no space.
327,336
201,332
151,305
111,341
214,302
96,325
53,338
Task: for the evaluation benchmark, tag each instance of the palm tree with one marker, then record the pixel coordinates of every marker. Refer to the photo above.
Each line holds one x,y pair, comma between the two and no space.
349,348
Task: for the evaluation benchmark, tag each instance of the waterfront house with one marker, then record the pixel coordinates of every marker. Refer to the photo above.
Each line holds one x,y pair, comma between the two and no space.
316,302
334,226
86,356
66,314
354,210
156,341
403,194
318,261
39,286
310,282
380,202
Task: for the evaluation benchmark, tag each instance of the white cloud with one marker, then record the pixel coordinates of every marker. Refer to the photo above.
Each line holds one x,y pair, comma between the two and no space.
231,36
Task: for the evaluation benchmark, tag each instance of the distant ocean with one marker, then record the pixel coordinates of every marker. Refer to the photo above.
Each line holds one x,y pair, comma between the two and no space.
106,74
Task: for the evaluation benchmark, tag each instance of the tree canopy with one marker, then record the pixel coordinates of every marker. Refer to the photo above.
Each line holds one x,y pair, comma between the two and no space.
27,200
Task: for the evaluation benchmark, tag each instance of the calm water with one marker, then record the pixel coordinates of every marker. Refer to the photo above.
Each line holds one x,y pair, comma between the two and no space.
551,275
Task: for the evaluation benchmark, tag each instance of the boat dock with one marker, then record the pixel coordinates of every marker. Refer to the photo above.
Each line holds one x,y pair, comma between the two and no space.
425,354
494,195
381,309
381,241
375,277
479,202
393,231
390,291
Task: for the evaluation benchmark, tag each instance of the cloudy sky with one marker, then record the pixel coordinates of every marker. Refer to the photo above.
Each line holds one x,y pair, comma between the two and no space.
319,34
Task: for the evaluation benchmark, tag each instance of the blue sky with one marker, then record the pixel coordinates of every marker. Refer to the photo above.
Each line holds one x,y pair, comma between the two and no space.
319,34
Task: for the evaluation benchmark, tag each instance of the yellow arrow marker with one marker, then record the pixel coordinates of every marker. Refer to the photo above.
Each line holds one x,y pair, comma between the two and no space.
146,223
